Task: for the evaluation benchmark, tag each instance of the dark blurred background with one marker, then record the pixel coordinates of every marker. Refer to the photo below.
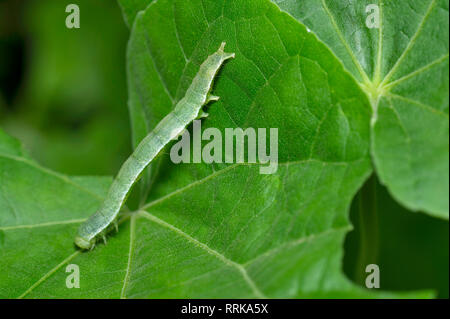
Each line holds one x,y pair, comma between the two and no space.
410,248
63,94
63,91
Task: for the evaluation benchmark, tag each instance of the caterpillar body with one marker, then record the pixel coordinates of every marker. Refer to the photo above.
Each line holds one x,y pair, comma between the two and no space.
186,110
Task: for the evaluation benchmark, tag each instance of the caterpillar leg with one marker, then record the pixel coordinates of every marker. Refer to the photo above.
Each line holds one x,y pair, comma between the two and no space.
104,239
116,225
202,114
211,98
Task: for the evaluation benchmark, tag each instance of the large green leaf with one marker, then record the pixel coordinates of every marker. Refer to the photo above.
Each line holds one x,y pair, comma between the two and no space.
259,225
403,68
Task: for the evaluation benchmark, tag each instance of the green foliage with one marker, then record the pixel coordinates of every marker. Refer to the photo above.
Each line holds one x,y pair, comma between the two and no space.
403,68
225,230
72,97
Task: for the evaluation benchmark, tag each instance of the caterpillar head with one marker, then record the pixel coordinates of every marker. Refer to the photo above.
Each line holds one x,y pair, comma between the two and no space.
84,243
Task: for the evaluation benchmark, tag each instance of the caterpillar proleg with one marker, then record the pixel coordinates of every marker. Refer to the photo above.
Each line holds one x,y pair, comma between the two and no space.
187,109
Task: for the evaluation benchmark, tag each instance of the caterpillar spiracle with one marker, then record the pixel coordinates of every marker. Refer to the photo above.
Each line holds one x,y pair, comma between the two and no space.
186,110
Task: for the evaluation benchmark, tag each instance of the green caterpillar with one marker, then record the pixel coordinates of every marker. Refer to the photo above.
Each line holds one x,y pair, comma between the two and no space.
187,109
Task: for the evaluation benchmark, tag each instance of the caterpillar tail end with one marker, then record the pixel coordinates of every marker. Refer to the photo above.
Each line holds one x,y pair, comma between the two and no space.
83,243
226,56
